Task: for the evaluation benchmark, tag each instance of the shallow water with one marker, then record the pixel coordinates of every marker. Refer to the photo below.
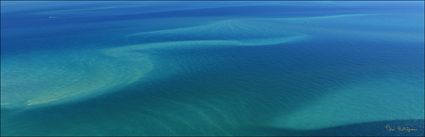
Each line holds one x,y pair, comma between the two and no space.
212,68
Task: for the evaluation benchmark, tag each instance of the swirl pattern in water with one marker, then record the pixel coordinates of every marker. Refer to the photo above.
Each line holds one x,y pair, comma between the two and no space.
212,68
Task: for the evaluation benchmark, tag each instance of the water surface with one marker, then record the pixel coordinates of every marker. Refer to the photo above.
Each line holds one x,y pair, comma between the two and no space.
212,68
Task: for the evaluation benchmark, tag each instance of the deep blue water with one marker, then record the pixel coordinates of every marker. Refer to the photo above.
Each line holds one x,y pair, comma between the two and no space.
212,68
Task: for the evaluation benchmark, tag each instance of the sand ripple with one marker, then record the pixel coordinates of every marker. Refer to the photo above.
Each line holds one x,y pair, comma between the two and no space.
49,78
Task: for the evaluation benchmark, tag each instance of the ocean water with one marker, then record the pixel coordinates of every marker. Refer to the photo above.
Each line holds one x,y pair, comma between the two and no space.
212,68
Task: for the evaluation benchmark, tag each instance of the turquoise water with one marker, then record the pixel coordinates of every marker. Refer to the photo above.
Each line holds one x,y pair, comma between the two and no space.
212,68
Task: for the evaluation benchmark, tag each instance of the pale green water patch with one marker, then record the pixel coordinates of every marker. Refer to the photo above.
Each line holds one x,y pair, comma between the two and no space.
222,30
366,100
48,78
